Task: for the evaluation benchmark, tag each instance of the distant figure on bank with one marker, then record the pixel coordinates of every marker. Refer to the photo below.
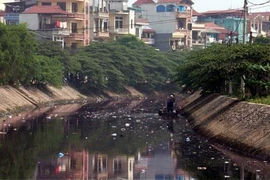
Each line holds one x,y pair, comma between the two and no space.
170,103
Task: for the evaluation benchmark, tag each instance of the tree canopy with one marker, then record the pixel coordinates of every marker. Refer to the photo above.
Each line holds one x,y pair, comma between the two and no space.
125,62
211,69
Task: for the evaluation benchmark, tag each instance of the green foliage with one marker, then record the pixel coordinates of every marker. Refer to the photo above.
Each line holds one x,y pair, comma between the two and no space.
262,40
17,47
48,70
22,60
125,62
210,69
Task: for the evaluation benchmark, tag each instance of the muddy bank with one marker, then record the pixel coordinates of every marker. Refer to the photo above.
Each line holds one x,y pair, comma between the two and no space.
240,125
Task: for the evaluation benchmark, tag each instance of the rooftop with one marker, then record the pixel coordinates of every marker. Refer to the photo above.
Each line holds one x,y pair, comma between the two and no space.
44,10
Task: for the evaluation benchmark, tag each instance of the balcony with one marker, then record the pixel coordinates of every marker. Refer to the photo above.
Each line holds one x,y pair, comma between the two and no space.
198,42
101,35
183,14
76,36
119,30
77,16
148,41
101,15
63,32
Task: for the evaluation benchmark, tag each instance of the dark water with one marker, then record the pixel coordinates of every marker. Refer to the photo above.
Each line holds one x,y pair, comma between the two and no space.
118,140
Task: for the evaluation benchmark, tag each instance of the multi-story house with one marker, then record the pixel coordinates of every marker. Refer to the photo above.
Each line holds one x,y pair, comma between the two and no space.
172,21
231,19
259,23
76,20
66,21
204,34
2,17
112,19
144,31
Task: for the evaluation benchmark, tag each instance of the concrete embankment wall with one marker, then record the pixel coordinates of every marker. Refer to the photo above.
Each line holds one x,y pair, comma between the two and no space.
21,103
22,97
239,124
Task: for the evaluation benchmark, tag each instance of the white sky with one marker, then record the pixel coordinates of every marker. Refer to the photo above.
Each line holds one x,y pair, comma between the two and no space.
206,5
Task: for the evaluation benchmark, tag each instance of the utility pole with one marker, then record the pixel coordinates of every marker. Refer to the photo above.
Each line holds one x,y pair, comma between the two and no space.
245,18
244,42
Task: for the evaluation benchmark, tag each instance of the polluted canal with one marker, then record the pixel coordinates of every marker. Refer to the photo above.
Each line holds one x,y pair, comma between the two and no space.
118,140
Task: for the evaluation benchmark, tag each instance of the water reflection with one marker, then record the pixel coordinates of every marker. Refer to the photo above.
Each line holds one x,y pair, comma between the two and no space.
117,140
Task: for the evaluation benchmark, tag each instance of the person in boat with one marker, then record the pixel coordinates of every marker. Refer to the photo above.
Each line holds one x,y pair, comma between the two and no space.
170,103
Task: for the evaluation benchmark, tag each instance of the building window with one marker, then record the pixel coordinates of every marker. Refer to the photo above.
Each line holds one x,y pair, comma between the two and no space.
131,24
118,22
160,8
170,8
62,5
46,4
105,26
74,28
74,7
181,8
117,166
137,32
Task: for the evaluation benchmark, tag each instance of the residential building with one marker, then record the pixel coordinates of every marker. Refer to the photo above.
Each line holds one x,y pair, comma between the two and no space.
76,19
171,20
39,19
144,31
111,19
2,16
231,20
66,21
99,20
259,23
204,34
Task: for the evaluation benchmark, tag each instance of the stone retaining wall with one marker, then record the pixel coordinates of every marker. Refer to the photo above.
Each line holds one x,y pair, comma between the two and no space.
239,124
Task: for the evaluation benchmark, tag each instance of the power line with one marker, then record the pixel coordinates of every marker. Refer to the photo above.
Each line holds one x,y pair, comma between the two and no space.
258,4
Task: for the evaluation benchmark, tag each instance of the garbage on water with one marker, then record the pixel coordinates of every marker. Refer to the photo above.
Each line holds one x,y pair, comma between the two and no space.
187,139
114,134
127,124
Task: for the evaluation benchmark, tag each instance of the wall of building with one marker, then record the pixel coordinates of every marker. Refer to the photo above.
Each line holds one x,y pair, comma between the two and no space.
162,41
31,20
161,22
132,29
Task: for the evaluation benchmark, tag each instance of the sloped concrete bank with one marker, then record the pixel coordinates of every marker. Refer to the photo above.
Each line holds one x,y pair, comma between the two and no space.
240,125
25,102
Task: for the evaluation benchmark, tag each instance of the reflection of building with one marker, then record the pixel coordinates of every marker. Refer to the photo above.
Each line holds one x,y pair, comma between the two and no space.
98,166
73,165
102,167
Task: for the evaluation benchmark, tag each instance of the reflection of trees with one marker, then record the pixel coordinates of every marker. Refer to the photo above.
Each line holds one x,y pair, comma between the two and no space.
21,148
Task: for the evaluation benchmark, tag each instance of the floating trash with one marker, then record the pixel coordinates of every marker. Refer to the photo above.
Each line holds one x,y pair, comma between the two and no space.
127,124
114,134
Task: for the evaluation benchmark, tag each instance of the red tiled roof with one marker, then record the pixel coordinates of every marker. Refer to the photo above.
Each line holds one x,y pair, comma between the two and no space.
211,25
223,11
176,1
195,13
255,14
44,10
141,20
139,2
149,30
